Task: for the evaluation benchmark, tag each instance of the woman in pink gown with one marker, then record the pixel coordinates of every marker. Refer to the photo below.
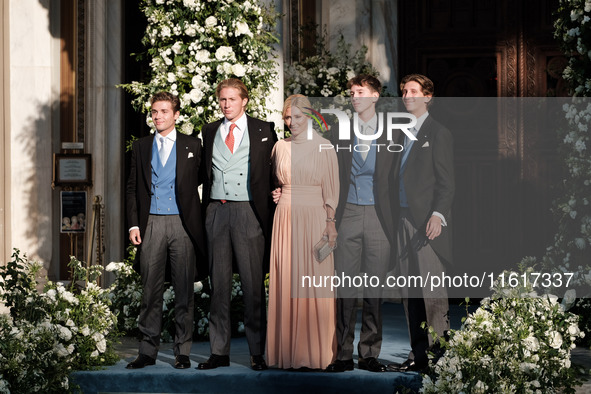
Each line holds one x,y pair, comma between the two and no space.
302,313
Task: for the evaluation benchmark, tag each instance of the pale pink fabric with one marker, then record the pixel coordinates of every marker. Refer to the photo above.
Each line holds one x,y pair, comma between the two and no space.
301,321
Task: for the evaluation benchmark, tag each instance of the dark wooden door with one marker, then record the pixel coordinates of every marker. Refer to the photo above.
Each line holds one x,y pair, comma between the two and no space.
505,168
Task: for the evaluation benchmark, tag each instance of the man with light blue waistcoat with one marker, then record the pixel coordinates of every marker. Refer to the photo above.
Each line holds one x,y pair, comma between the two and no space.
164,215
365,227
237,184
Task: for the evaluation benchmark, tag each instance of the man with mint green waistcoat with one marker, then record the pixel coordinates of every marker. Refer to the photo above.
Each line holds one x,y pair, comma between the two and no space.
237,184
164,216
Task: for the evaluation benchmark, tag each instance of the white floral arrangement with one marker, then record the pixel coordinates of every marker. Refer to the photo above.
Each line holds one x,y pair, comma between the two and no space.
47,335
515,342
194,44
325,74
573,30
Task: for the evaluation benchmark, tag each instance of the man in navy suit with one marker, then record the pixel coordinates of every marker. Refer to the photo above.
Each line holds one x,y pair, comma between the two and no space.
237,184
424,177
164,215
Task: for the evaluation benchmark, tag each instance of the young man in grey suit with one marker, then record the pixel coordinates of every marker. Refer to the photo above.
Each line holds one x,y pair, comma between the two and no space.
164,215
425,185
365,227
237,174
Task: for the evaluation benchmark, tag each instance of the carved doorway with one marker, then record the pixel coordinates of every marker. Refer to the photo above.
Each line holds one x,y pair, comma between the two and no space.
504,172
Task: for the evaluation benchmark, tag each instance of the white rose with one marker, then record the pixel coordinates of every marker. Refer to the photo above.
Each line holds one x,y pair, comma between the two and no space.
223,53
187,128
227,67
573,329
211,21
202,56
238,70
189,3
61,350
197,287
171,77
113,266
196,95
531,343
190,31
176,48
242,28
101,345
555,339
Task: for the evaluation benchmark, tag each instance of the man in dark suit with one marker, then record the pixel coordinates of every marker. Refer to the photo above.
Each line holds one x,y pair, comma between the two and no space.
365,228
164,215
425,184
237,182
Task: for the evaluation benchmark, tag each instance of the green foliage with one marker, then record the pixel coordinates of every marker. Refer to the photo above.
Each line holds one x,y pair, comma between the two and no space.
325,74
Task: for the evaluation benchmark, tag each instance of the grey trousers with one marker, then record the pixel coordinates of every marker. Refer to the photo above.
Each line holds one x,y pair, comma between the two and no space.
166,238
362,247
421,304
233,231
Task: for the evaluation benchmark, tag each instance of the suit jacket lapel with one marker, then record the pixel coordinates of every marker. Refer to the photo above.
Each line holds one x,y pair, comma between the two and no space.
146,160
384,158
422,137
254,134
208,140
182,151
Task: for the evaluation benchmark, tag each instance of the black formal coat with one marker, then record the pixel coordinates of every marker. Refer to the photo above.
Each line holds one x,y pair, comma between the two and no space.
188,151
429,182
262,139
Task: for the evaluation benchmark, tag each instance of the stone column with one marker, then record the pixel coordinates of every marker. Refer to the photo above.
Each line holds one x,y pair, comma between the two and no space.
31,90
104,120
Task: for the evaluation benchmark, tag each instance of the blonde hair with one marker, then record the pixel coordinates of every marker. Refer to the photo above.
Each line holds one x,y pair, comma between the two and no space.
296,100
232,83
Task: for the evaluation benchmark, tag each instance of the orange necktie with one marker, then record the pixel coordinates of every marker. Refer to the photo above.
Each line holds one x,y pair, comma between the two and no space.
230,138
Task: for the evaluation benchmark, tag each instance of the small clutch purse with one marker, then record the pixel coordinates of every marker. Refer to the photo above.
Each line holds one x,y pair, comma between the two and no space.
322,249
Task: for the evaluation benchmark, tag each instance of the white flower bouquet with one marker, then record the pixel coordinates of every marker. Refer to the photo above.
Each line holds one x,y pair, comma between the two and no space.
194,44
515,342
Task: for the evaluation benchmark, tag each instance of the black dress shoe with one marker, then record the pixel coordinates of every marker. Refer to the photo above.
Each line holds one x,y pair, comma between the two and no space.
182,362
215,361
340,366
371,364
141,361
258,363
408,366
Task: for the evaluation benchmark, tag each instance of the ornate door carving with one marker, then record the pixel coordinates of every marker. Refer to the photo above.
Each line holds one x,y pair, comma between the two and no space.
504,170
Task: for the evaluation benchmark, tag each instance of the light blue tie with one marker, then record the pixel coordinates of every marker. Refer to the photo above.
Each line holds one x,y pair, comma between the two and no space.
162,151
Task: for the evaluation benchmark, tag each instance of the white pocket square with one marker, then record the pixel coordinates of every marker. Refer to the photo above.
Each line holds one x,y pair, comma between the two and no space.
264,139
425,145
190,155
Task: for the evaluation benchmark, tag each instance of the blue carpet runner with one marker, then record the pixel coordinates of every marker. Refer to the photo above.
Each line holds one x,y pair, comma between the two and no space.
239,378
